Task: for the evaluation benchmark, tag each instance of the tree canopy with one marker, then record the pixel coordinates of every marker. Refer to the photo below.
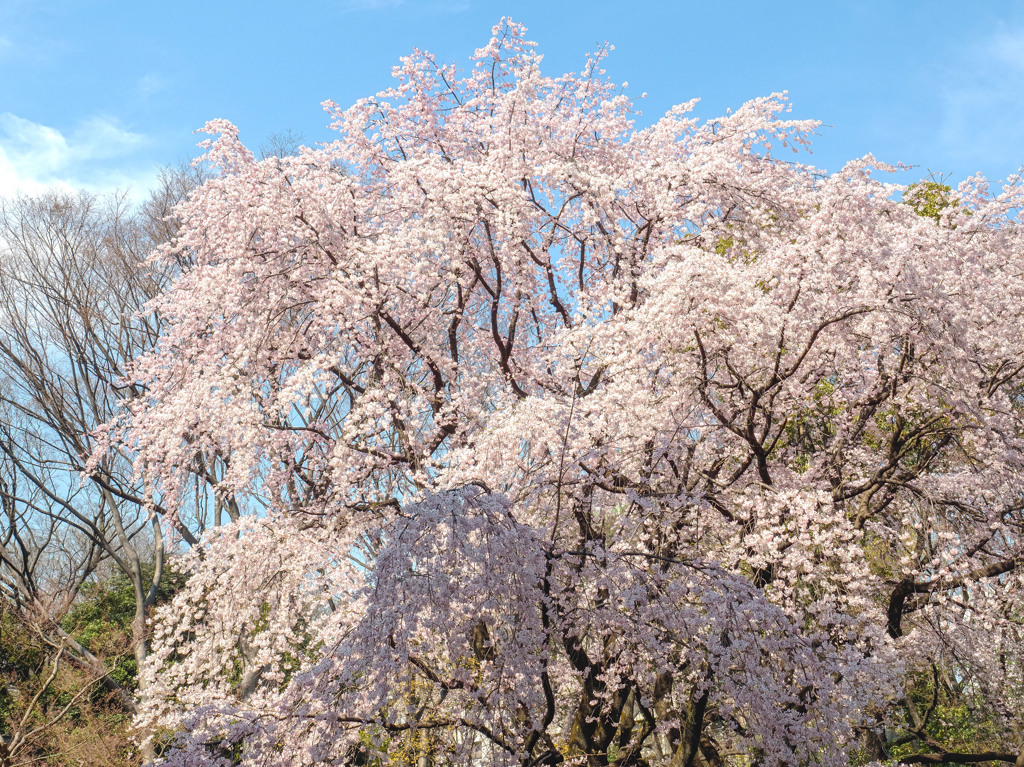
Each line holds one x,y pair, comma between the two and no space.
551,439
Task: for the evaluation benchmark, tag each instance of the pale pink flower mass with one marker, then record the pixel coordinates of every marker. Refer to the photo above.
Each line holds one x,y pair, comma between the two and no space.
564,440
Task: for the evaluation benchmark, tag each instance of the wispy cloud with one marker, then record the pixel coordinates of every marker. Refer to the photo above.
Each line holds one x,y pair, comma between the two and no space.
1007,47
97,154
150,84
982,109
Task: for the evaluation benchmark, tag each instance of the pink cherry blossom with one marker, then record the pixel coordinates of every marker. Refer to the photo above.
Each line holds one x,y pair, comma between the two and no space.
565,440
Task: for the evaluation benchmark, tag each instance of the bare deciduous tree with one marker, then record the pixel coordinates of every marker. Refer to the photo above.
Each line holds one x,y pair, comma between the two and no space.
73,288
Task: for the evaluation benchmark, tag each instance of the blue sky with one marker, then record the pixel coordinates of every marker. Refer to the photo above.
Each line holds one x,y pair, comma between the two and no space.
101,93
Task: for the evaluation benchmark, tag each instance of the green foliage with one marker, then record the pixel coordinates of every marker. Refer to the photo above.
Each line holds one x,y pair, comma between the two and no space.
102,619
920,434
810,430
21,660
727,247
930,199
953,712
40,696
72,728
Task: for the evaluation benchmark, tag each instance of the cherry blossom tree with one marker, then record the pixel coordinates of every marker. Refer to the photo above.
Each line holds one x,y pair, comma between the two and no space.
570,441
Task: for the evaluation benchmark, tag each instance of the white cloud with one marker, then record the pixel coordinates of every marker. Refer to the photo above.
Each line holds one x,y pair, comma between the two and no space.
97,154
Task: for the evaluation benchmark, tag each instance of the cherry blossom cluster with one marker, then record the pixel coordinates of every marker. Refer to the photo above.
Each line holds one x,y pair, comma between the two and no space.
563,440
